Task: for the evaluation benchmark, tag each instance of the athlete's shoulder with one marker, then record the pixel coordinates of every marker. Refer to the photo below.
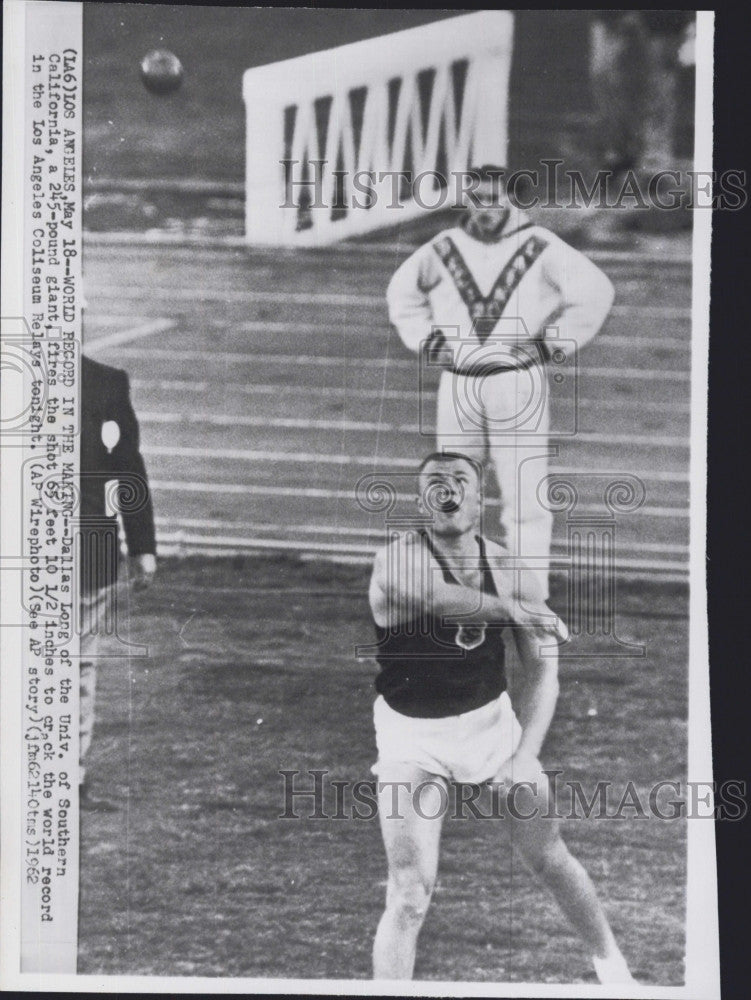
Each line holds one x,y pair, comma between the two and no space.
403,544
499,557
393,567
512,573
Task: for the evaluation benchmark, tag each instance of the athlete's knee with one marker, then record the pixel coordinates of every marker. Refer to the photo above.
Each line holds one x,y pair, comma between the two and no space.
544,858
408,896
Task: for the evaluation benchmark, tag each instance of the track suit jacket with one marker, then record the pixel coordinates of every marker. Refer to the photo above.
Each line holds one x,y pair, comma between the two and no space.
105,398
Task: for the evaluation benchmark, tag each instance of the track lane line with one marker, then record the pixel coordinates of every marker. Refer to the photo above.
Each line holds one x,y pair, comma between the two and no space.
126,336
378,464
269,389
558,547
374,462
236,542
194,243
202,486
249,527
104,292
317,360
369,461
370,426
273,328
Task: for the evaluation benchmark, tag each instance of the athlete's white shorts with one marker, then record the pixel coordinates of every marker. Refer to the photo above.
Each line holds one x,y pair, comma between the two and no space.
470,747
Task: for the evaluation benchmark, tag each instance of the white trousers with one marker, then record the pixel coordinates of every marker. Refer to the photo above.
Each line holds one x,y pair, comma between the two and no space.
507,417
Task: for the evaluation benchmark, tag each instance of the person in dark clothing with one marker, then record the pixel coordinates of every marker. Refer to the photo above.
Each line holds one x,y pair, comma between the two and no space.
113,479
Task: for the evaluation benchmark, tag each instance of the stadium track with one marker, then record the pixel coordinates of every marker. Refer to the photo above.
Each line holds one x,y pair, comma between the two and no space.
268,383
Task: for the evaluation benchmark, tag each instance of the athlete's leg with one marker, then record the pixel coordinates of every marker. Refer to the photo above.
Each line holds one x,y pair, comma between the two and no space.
412,841
539,841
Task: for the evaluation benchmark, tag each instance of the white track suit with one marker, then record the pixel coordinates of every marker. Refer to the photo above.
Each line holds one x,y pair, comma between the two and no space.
489,300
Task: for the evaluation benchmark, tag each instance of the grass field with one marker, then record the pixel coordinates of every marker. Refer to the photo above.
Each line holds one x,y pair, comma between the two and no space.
250,665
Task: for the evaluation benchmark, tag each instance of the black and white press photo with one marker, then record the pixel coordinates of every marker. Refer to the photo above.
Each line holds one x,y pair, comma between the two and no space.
354,444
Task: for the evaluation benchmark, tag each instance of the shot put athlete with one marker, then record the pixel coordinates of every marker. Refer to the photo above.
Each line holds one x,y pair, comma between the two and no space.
443,712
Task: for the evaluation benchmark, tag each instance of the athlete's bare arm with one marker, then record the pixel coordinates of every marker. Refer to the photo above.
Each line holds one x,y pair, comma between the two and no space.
406,583
535,683
535,690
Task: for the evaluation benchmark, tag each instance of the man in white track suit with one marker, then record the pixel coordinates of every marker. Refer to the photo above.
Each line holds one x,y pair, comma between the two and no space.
481,299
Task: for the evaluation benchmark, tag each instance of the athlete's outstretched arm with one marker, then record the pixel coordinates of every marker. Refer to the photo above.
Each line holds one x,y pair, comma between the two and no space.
405,584
535,689
534,677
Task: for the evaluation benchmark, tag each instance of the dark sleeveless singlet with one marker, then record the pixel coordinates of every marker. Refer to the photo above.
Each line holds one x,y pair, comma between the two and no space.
430,670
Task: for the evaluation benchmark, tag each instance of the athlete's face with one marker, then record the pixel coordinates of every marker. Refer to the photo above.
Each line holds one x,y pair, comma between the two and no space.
488,207
451,492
